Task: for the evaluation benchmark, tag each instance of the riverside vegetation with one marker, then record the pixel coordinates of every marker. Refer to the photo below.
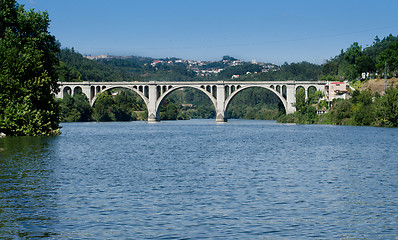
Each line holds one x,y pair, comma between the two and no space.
28,72
32,63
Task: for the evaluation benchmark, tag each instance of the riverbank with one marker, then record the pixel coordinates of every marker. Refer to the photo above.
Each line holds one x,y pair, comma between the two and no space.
371,106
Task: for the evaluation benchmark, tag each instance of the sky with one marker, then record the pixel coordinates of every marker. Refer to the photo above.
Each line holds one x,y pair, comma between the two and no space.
274,31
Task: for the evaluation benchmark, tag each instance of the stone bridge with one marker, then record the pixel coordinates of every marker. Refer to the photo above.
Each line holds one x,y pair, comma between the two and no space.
220,92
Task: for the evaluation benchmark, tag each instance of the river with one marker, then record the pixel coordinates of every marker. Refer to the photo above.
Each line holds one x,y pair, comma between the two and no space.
198,179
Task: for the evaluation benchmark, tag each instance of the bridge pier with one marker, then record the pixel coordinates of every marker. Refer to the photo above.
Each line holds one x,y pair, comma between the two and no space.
290,98
153,112
220,107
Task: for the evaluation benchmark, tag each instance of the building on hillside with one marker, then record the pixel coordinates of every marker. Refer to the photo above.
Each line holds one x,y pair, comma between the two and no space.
336,90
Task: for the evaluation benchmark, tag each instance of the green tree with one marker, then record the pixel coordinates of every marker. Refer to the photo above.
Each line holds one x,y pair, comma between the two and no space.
28,76
389,56
169,111
124,106
300,100
363,109
103,110
387,109
341,112
353,52
312,116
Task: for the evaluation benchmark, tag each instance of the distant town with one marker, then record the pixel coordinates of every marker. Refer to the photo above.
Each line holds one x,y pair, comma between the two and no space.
201,68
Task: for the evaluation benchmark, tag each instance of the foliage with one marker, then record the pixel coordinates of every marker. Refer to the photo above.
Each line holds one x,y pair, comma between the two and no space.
389,56
169,110
300,100
387,109
255,103
306,112
74,67
341,112
121,107
28,75
353,53
303,71
75,109
350,64
362,109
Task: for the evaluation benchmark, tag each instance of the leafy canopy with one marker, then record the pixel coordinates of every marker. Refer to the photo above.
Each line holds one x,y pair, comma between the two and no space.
28,76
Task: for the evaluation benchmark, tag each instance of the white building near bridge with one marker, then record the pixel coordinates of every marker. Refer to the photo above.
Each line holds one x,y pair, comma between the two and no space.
336,90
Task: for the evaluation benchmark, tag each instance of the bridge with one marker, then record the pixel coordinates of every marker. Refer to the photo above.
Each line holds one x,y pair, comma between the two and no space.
220,92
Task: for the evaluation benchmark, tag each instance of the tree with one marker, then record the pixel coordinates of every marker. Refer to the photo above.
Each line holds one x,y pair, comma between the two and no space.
75,109
387,109
363,109
103,110
124,106
389,56
28,75
341,112
353,52
300,99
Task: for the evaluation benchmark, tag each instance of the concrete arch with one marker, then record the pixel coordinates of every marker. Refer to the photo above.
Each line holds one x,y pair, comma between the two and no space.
77,90
279,95
309,89
66,91
171,89
145,99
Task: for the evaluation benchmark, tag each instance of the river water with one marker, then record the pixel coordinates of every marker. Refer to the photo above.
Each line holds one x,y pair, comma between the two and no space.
201,180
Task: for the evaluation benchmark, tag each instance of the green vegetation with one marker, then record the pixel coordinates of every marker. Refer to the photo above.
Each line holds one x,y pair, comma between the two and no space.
75,68
255,103
362,109
27,72
303,71
355,60
123,106
75,109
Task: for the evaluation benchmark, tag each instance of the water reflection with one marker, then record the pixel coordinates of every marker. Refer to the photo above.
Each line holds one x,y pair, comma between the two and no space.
27,194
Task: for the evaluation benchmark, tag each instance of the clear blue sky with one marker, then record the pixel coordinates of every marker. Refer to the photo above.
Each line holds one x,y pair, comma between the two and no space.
267,31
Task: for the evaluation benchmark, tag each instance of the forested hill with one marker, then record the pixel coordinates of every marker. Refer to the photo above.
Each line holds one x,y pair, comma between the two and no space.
348,65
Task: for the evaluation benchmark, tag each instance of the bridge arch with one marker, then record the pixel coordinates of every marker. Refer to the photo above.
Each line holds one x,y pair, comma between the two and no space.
145,99
67,91
240,89
77,90
171,89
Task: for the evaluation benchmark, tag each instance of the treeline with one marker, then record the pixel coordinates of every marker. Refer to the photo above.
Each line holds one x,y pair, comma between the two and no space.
350,64
362,109
75,67
303,71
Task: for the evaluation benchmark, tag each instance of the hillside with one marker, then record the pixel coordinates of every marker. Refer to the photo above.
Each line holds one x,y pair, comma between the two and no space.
348,65
377,85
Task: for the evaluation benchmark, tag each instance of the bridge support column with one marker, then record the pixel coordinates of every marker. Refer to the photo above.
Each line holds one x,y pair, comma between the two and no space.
86,89
153,115
290,98
220,108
